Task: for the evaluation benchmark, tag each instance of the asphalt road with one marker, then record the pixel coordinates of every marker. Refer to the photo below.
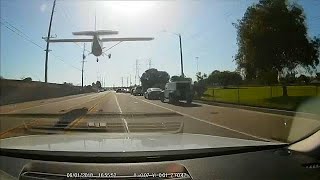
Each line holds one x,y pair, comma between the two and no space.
118,112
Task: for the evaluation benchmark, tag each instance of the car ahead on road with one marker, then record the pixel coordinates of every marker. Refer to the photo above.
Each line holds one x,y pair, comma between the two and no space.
137,91
153,93
119,90
126,90
177,91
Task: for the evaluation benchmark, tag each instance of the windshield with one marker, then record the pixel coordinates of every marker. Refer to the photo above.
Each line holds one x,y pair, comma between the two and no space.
241,70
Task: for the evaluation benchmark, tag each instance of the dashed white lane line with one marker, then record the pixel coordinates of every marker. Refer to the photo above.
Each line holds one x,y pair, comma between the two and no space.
125,123
204,121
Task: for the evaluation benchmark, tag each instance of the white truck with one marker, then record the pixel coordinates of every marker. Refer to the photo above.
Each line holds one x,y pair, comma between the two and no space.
177,91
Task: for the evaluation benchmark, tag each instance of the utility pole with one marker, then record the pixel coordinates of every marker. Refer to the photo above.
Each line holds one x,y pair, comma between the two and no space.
149,63
121,81
127,81
47,48
181,59
137,73
130,81
83,57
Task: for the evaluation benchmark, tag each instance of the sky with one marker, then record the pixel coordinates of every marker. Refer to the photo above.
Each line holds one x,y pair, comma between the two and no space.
205,26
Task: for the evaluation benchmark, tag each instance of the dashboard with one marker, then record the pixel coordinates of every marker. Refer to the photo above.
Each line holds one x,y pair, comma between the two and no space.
278,163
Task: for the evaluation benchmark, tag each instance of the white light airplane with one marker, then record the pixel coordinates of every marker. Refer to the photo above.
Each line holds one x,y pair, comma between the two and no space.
97,42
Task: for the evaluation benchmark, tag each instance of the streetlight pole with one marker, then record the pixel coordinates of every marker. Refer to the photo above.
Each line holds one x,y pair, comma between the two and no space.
181,59
47,48
180,44
83,61
197,59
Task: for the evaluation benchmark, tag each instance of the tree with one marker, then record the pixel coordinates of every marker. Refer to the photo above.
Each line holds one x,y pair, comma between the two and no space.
154,78
200,76
67,84
289,78
200,86
318,76
176,78
272,36
224,78
28,79
98,84
304,79
179,78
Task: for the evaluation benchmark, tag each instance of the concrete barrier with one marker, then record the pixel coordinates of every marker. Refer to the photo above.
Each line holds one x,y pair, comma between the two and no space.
16,91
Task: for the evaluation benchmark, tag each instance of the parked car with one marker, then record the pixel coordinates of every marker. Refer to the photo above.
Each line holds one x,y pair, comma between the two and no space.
176,91
153,93
137,91
126,90
119,90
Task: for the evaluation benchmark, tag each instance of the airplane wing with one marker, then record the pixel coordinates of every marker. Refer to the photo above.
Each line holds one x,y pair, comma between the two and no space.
127,39
69,40
98,32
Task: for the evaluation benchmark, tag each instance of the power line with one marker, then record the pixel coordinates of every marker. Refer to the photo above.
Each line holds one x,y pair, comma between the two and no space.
67,16
14,27
68,19
24,36
59,58
113,46
21,35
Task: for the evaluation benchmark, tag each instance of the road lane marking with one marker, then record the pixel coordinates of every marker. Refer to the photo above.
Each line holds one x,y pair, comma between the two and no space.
125,123
118,103
30,123
205,121
245,110
17,127
47,104
77,121
91,99
36,121
283,117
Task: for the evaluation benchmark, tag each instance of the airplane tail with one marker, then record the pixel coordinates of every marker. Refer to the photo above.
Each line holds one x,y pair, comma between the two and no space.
92,33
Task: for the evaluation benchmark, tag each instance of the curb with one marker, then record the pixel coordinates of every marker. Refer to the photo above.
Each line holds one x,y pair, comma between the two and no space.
261,109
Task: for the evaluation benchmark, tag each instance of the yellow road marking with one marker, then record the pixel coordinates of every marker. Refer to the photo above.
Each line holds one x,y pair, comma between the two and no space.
36,106
77,121
35,121
15,128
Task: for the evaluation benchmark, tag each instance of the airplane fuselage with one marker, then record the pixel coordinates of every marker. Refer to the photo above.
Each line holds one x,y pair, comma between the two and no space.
97,46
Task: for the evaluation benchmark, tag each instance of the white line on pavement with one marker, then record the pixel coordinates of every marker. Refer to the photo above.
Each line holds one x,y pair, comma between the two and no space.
123,119
245,110
285,117
211,123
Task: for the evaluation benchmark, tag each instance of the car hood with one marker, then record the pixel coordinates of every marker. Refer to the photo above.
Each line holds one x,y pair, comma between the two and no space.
102,142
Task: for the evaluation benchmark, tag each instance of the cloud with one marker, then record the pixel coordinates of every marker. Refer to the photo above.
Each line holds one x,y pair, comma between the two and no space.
43,7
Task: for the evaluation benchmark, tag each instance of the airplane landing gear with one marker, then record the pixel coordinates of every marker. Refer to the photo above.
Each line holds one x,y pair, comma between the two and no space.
97,60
